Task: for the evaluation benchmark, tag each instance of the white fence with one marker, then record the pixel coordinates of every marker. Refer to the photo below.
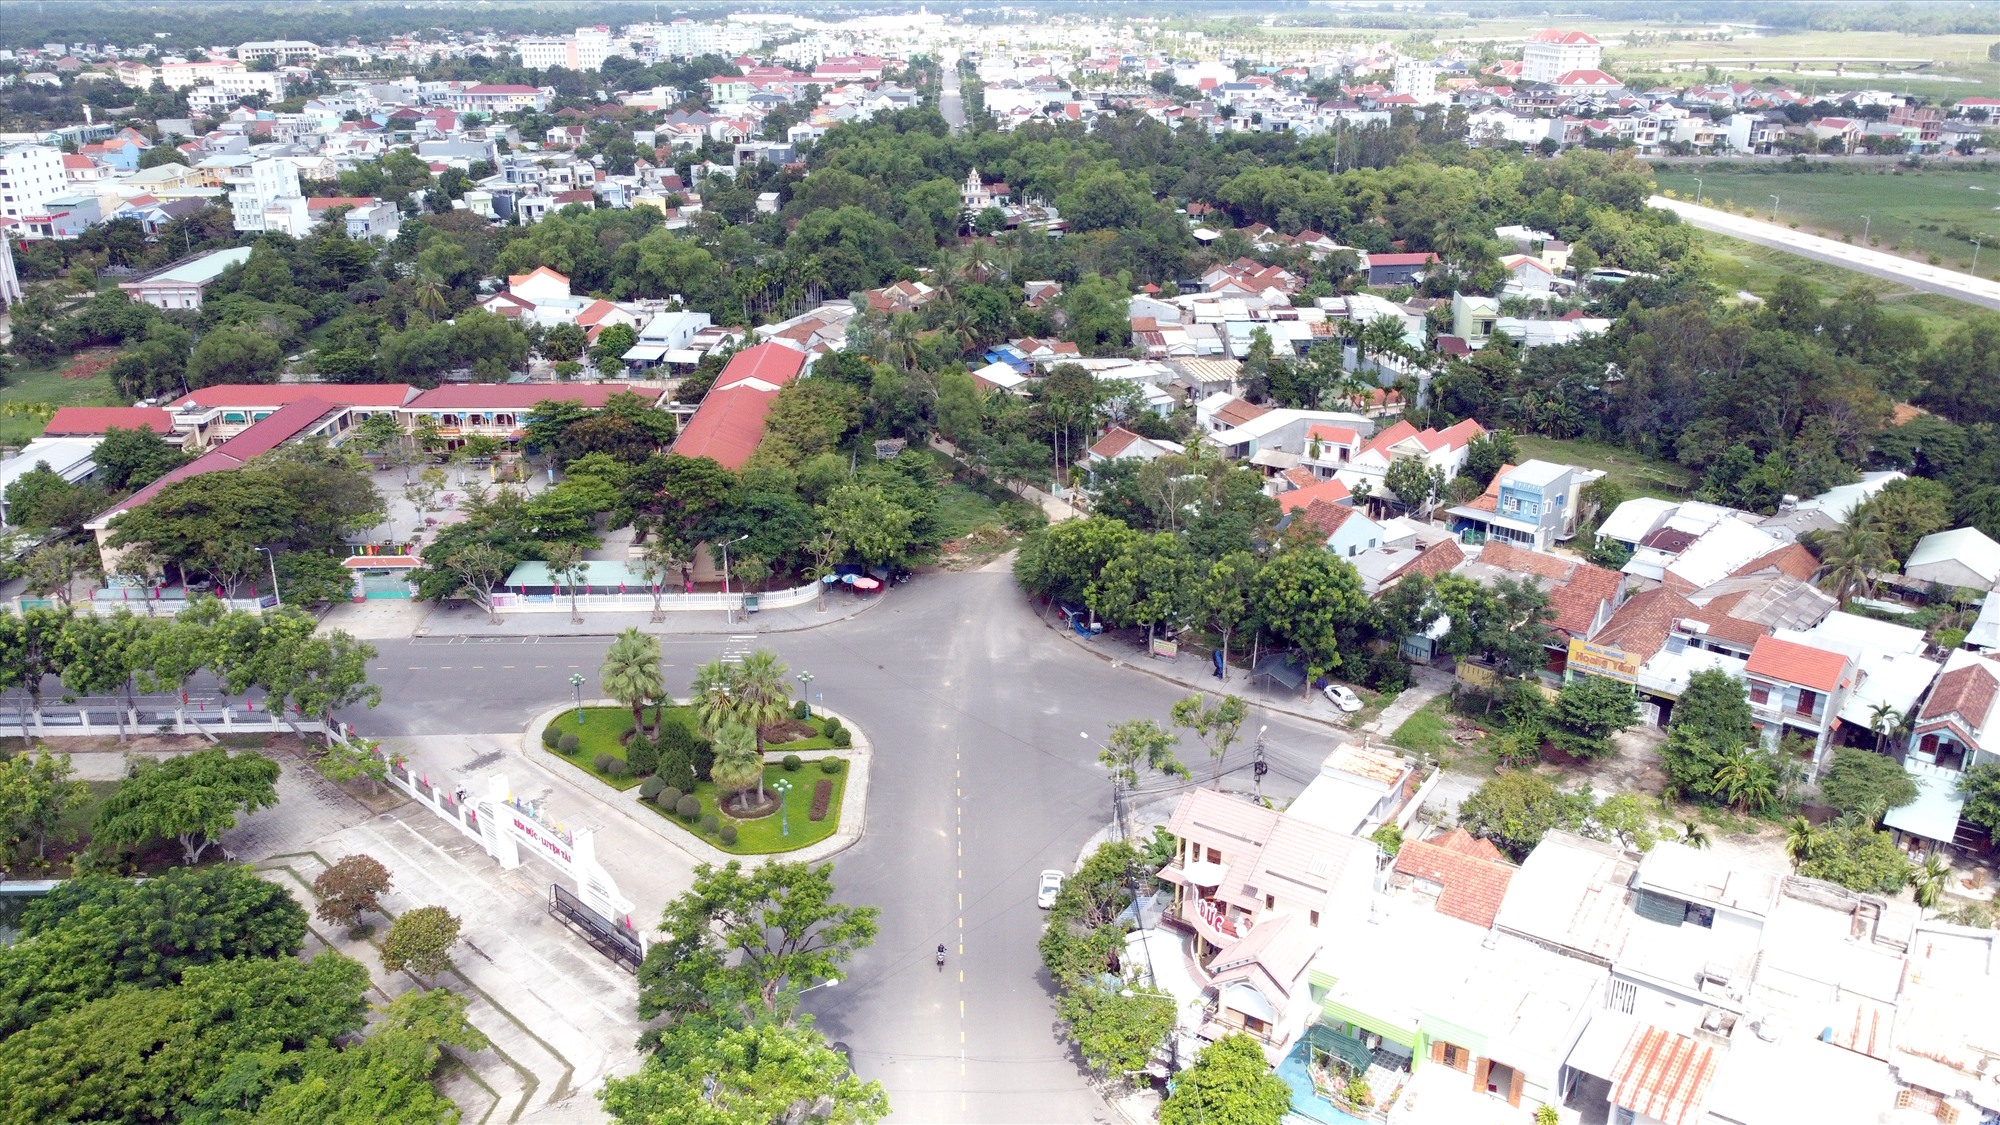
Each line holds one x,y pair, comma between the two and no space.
103,720
642,602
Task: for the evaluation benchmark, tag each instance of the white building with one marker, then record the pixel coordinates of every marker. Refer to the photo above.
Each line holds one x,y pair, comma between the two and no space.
256,187
1419,79
281,50
30,176
586,50
681,39
1553,53
180,76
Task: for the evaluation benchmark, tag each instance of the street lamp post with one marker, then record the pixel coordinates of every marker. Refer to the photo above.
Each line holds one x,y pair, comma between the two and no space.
728,609
1697,191
1975,269
1774,208
830,982
576,685
278,597
1865,221
781,787
805,690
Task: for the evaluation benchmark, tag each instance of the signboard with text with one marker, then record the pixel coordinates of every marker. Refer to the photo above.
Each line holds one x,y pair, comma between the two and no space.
1603,660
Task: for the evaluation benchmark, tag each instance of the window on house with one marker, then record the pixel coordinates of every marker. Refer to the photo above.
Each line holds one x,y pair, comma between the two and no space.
1454,1056
1214,856
1315,917
1808,703
1270,901
1760,693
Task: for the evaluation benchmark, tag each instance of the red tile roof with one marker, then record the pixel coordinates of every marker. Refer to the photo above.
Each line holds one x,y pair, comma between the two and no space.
1640,627
1789,559
1662,1075
1423,259
267,434
1474,883
1115,441
1430,562
728,426
1966,692
1324,516
516,396
97,419
1319,491
278,394
1795,663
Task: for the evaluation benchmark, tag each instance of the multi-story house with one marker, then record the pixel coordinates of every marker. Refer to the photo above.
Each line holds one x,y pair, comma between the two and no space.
1552,53
30,176
1533,504
256,185
1796,690
1438,449
1957,727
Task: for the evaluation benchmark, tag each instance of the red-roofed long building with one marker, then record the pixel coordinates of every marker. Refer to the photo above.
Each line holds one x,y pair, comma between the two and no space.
728,426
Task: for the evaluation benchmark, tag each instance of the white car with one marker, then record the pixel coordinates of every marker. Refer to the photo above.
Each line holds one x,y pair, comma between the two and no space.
1343,697
1047,887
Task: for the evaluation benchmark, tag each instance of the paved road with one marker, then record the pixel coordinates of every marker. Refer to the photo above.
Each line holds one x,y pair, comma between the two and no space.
982,779
1916,275
950,104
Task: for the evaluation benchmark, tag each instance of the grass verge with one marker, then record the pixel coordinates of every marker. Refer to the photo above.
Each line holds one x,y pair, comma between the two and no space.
1638,474
1427,730
766,835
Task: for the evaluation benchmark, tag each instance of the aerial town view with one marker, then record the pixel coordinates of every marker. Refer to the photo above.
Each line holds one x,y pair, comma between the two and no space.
1099,562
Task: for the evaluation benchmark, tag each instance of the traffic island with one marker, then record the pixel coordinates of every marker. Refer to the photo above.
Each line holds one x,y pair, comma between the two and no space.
804,803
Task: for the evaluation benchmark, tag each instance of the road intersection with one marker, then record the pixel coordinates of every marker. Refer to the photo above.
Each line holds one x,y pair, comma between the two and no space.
986,726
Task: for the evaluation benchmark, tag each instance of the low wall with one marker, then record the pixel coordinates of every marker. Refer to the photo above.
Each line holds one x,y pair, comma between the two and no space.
508,602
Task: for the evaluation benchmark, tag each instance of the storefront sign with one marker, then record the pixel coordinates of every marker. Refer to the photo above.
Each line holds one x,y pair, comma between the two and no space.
1603,660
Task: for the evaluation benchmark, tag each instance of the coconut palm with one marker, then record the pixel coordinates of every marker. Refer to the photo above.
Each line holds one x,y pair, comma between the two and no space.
1854,554
1746,779
1802,839
738,765
429,296
631,674
1694,835
1928,880
1887,723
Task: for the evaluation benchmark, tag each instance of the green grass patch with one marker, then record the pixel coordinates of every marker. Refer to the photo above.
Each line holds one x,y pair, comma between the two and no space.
961,508
816,742
1736,265
1915,213
1638,474
765,835
601,733
29,396
1428,730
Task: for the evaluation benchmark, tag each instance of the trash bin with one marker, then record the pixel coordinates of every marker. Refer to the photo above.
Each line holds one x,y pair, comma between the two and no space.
749,603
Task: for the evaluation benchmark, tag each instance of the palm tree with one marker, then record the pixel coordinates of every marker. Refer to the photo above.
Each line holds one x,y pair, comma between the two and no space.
1887,723
1382,336
763,691
737,765
1853,555
1802,839
430,296
1694,835
902,339
631,674
714,693
1746,779
1928,881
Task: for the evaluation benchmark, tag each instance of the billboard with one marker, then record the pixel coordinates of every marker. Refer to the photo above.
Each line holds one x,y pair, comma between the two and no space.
1603,660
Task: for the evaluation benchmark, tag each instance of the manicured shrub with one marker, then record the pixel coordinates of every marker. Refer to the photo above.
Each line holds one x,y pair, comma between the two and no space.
651,788
689,806
676,752
842,738
728,834
793,762
642,754
822,798
551,735
829,765
830,724
668,798
704,757
568,744
709,822
800,710
603,762
616,768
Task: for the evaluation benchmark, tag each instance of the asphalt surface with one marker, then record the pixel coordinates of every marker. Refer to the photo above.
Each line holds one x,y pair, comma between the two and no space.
986,726
950,103
1916,275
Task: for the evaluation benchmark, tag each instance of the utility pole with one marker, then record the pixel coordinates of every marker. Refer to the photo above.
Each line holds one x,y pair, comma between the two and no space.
1260,767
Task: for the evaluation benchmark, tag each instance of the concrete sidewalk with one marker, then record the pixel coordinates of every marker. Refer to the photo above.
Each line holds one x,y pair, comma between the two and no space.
1194,673
396,619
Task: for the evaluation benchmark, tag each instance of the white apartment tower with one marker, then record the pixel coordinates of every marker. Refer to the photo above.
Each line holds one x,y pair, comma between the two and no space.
254,187
30,176
586,50
1553,53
